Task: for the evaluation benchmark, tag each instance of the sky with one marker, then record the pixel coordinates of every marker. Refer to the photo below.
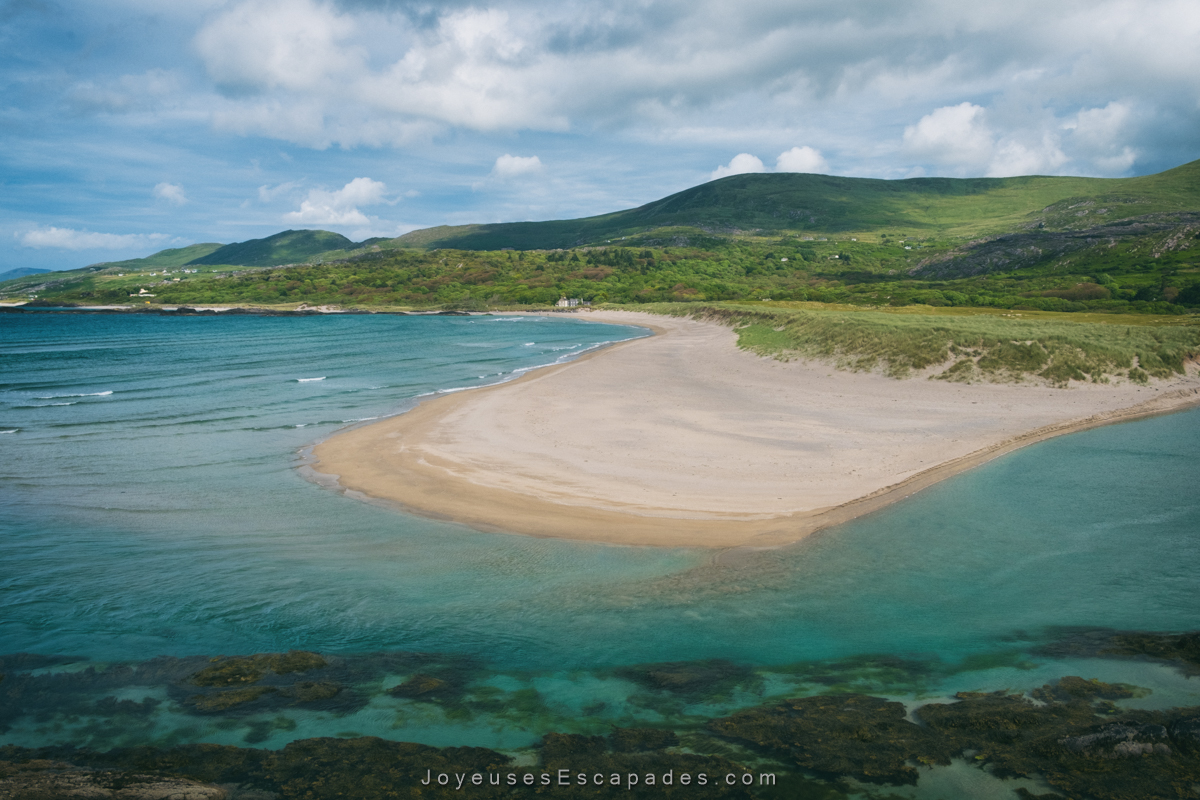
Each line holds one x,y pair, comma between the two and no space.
130,126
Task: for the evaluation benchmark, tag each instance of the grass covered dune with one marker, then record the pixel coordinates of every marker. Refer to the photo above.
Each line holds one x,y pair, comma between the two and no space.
688,439
963,345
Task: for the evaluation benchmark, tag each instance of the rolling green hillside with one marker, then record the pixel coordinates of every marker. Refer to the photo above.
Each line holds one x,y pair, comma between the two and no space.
768,203
175,257
288,247
1033,243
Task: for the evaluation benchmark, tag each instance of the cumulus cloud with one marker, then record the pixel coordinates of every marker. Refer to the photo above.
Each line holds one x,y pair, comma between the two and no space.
797,159
956,136
71,239
739,165
960,139
170,192
324,73
509,166
289,44
341,207
801,159
1101,135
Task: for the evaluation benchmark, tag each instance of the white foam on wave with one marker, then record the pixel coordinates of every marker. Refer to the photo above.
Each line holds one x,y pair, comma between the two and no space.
360,419
84,394
14,430
309,380
530,344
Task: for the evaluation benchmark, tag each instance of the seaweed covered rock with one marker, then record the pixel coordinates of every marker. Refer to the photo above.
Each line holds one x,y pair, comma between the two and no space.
1185,733
982,719
425,687
712,677
243,670
228,698
1072,687
634,740
584,766
1118,740
854,735
313,691
368,768
1184,647
40,779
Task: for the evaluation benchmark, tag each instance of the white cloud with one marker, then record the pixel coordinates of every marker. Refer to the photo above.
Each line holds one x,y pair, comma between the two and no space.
171,192
267,193
71,239
961,139
798,159
288,44
739,165
340,207
509,166
1101,135
323,73
801,159
956,136
1014,158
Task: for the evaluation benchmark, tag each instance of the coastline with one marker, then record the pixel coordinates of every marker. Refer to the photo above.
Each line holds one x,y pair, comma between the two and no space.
680,439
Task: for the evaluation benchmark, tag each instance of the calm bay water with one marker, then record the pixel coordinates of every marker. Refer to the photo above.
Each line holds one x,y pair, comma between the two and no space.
150,504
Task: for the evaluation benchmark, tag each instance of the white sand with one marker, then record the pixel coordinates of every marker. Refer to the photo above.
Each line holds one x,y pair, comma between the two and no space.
684,439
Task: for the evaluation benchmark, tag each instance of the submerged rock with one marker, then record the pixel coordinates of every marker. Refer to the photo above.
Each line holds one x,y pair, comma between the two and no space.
710,677
227,699
241,670
1072,687
632,740
852,735
425,687
41,779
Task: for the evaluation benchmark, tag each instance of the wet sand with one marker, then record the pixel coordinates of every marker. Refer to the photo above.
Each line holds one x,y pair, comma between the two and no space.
681,439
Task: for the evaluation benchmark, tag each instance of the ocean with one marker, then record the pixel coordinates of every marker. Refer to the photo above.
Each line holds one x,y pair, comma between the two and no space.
154,504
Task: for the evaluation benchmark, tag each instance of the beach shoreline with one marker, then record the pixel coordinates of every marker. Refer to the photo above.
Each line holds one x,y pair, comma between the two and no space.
681,439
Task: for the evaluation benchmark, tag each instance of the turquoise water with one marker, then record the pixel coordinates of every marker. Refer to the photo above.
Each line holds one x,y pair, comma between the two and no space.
150,504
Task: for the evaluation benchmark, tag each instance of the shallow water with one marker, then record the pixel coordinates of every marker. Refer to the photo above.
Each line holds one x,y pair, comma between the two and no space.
150,504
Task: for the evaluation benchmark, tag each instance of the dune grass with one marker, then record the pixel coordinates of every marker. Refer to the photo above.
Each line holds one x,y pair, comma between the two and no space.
965,348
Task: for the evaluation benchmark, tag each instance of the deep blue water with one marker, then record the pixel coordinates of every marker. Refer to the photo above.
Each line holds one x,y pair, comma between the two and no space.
150,504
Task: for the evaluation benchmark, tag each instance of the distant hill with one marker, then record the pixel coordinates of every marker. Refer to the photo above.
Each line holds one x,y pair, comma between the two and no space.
20,272
766,203
288,247
1129,245
175,257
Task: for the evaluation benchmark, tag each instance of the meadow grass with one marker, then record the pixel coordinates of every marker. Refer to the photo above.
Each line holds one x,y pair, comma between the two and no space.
965,347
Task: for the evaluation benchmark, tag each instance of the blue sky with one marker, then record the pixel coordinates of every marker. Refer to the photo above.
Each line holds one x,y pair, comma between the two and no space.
129,126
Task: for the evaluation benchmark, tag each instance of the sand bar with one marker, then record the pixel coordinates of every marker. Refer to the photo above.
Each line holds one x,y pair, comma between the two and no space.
681,439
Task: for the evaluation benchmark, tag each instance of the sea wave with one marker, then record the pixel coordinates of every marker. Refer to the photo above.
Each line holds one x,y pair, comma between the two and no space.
309,380
83,394
14,430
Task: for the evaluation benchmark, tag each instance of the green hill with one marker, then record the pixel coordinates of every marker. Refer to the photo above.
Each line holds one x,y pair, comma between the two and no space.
1129,245
288,247
768,203
175,257
21,272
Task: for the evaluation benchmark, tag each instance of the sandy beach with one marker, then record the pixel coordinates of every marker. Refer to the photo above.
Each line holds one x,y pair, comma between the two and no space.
682,439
